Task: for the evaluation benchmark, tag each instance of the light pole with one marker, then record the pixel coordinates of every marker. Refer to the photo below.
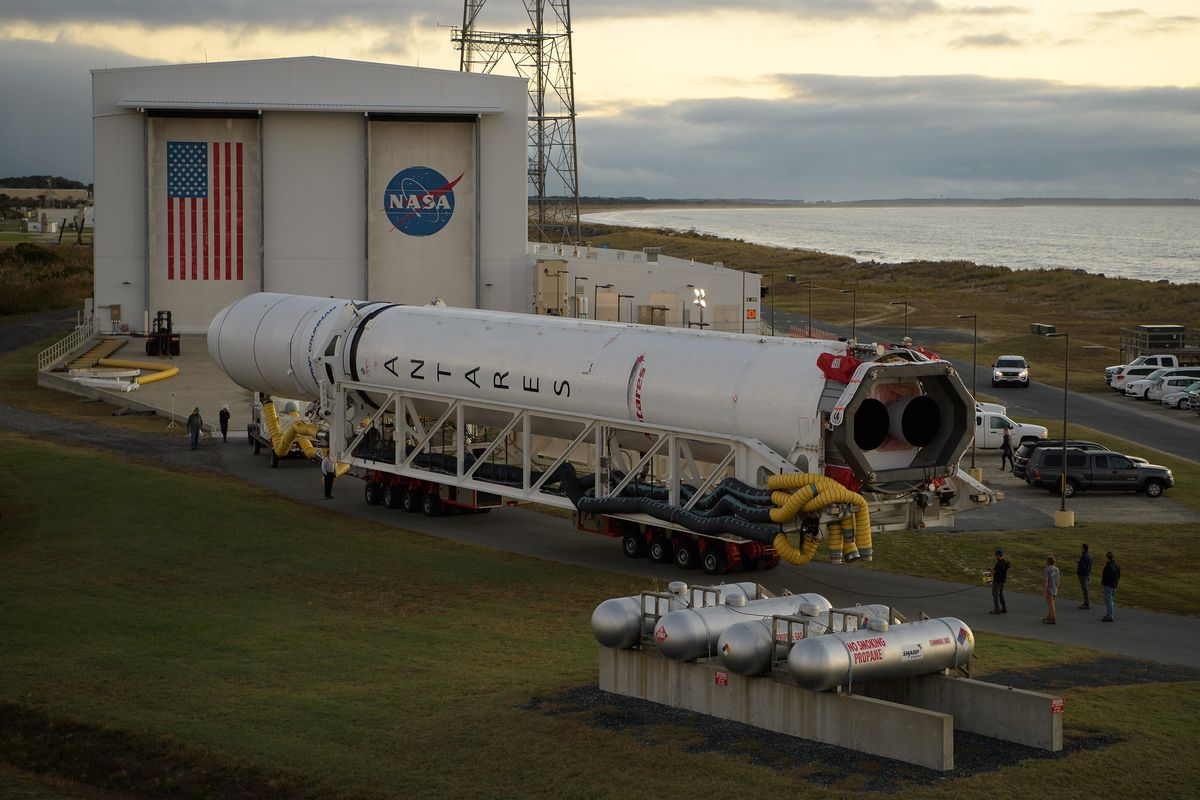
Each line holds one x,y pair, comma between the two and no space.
621,297
974,369
772,293
1066,336
575,294
700,302
558,290
809,284
596,300
853,311
905,304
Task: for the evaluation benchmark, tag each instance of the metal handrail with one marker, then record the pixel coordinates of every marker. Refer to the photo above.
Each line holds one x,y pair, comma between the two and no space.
82,334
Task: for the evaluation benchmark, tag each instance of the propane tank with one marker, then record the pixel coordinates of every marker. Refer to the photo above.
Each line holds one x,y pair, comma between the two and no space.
692,633
902,651
620,622
749,647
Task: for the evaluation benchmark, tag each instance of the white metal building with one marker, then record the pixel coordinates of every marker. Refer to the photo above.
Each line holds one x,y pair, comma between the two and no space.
308,175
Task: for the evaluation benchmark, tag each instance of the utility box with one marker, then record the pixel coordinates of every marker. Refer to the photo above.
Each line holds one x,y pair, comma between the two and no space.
1041,329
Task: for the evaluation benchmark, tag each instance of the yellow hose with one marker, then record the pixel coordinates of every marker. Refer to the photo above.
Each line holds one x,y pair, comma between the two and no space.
160,373
835,542
814,492
300,432
792,554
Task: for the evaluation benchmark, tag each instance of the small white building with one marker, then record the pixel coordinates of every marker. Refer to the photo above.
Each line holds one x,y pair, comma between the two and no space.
306,175
644,287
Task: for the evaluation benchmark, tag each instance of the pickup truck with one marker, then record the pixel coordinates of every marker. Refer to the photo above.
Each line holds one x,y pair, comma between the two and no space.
1097,469
990,427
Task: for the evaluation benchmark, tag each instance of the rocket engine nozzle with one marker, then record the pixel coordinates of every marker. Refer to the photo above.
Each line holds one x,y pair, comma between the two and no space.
915,420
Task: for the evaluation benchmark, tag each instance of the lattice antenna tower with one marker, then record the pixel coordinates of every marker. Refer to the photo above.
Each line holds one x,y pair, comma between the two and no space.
542,55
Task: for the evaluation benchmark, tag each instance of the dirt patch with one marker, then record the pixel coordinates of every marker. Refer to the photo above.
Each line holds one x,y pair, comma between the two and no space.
131,763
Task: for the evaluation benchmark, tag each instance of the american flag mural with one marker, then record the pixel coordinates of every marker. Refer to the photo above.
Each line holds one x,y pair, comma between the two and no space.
205,211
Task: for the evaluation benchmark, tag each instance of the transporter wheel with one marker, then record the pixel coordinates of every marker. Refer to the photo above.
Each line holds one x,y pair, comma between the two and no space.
715,561
687,555
431,505
393,496
660,549
1154,488
411,501
372,493
633,545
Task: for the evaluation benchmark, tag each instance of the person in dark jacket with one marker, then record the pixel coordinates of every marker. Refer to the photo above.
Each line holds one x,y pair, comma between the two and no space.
224,415
1109,580
1006,451
194,424
999,577
1083,569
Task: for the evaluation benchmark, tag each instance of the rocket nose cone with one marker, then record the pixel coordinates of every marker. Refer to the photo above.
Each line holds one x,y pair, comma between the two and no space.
617,623
214,334
745,648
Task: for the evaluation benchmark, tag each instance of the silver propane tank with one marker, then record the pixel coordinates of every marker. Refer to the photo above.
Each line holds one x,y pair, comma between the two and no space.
692,633
902,651
621,621
749,647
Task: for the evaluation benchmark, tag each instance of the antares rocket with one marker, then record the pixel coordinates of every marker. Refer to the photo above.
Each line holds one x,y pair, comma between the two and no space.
897,421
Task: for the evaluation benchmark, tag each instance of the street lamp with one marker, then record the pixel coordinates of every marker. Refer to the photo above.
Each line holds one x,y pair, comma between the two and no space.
700,301
621,297
853,311
771,291
596,300
974,368
1066,372
903,302
575,294
558,290
809,284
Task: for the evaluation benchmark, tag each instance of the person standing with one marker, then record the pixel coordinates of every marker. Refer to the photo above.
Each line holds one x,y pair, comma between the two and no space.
224,415
999,577
1083,569
194,424
328,472
1006,451
1050,578
1109,580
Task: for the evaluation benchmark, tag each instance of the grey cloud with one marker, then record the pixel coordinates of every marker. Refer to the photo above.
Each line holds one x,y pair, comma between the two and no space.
315,14
990,11
987,40
859,138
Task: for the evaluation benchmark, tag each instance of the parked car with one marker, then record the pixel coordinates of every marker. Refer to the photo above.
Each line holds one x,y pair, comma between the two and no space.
1182,398
1141,387
1023,453
1153,361
990,428
1097,469
1010,370
1129,375
1170,384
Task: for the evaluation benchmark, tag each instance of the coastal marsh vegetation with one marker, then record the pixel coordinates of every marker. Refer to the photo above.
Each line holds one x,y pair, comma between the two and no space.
1092,308
256,647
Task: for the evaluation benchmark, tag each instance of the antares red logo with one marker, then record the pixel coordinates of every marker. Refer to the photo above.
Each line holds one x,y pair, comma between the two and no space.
660,635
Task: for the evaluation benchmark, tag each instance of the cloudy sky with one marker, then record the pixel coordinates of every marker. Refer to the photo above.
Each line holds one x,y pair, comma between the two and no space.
810,99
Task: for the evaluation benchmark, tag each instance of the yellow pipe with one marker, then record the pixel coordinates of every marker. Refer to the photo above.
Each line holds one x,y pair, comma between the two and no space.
159,372
835,542
300,432
814,492
795,555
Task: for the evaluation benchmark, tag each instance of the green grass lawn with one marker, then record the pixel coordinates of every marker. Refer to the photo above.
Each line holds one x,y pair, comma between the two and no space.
208,625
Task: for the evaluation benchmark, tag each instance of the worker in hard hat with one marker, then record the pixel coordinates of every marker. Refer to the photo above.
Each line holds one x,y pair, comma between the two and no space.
194,424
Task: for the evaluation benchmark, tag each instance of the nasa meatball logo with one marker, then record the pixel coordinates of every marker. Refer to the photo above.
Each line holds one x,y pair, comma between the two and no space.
419,201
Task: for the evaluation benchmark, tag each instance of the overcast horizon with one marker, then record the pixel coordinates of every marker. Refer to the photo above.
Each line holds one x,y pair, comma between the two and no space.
690,99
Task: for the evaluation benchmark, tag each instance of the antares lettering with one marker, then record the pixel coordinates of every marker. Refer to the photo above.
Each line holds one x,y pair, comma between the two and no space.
504,380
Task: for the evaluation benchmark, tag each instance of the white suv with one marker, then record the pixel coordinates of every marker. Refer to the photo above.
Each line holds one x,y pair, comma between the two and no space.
1011,370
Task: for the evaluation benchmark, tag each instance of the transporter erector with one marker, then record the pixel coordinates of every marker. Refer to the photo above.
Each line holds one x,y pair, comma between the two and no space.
710,449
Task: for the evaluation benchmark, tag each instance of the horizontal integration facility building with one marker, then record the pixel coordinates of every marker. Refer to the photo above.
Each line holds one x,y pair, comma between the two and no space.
306,175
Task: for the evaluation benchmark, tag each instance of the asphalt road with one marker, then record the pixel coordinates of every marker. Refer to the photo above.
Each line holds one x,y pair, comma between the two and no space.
1140,634
1163,429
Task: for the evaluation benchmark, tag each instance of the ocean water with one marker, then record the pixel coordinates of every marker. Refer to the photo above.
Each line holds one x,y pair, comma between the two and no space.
1145,242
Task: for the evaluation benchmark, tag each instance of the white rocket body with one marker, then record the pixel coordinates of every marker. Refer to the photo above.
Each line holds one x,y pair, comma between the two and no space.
769,389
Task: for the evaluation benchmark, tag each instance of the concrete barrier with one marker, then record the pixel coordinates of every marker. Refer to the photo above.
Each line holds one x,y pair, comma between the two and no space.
866,724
